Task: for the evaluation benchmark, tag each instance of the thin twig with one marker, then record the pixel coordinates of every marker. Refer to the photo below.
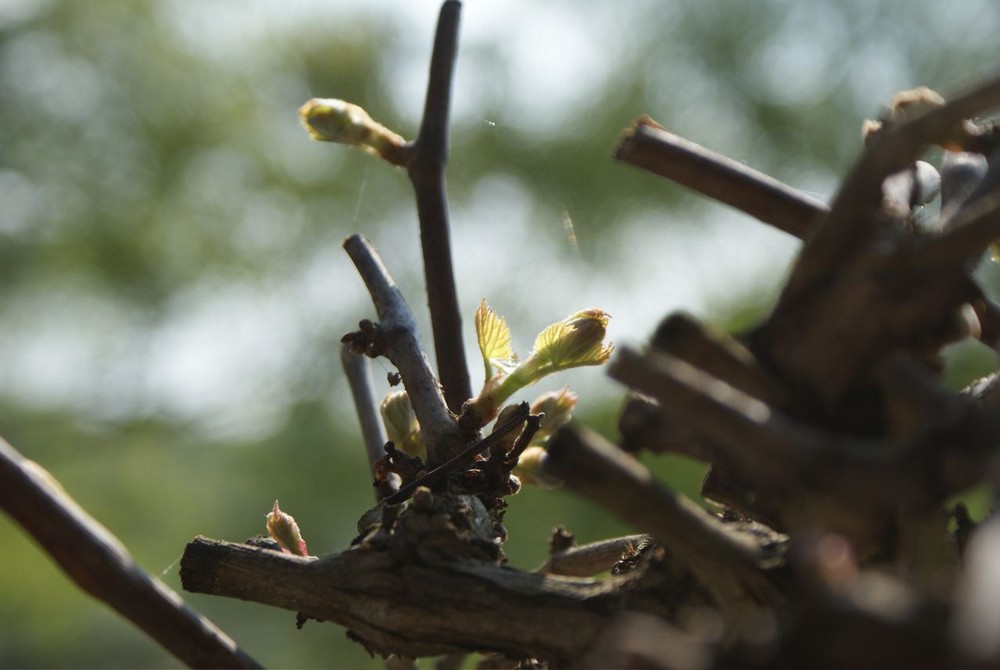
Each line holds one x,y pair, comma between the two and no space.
590,559
438,426
426,172
651,147
93,558
359,378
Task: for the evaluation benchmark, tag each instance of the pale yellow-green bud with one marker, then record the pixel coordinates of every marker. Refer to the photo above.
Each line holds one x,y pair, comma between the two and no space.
557,406
332,120
283,530
401,425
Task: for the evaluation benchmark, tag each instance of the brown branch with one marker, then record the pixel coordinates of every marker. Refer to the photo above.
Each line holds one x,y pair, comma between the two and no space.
93,558
719,355
764,443
644,424
866,477
409,607
426,172
651,147
727,563
438,426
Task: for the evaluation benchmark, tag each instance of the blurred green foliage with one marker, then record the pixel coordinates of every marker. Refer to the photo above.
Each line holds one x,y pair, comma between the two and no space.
153,175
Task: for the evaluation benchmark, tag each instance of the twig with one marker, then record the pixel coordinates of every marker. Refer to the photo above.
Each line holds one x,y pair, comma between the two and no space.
93,558
438,473
532,423
438,426
426,172
649,146
776,451
359,378
728,564
721,356
590,559
762,441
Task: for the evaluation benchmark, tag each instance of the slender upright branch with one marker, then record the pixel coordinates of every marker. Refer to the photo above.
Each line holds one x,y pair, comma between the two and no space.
651,147
93,558
359,378
402,345
426,172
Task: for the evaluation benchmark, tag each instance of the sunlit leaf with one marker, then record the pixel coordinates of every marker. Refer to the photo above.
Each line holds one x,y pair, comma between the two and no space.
493,336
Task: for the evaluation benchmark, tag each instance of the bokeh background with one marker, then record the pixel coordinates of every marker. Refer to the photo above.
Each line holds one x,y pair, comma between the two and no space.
172,287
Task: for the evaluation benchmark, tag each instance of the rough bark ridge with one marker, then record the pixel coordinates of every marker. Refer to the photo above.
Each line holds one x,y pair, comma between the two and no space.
832,441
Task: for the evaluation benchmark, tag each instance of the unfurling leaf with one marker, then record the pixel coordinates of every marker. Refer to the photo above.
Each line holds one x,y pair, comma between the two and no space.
573,342
283,530
493,335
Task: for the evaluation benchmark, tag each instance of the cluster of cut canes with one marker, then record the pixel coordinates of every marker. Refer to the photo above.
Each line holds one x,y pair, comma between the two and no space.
833,445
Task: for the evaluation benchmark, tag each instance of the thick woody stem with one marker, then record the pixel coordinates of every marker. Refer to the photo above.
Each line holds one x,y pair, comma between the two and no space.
410,607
